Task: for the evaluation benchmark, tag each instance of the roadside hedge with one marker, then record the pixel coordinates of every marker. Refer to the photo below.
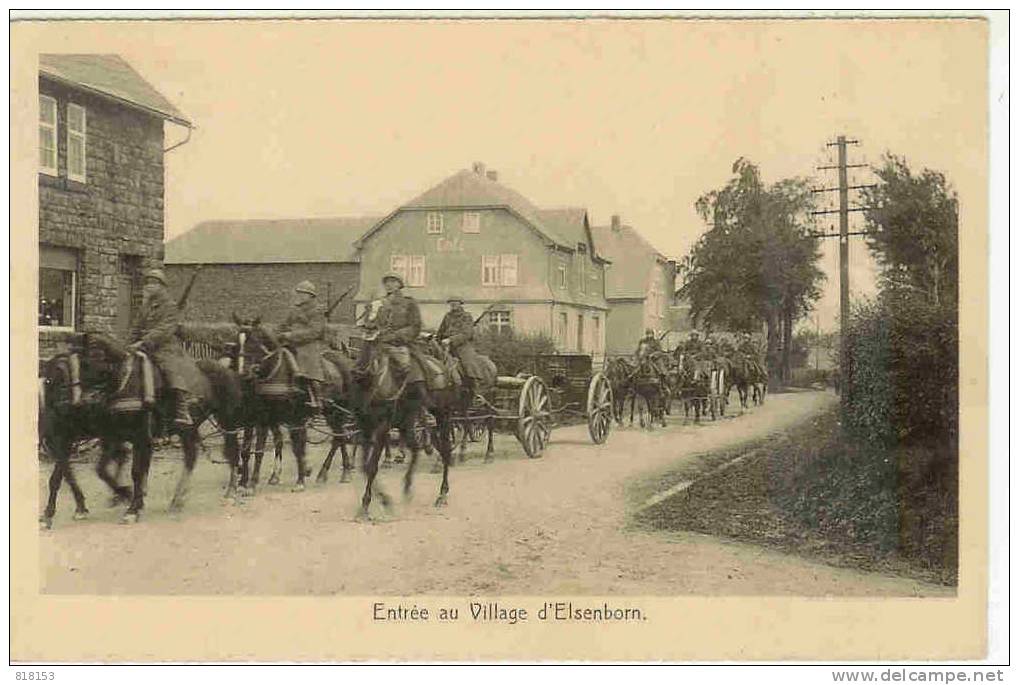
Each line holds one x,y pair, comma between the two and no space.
901,372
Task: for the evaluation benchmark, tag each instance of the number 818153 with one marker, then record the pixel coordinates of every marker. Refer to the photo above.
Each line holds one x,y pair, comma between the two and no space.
35,675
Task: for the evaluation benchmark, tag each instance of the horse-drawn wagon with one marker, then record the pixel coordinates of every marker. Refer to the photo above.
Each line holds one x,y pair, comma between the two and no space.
548,390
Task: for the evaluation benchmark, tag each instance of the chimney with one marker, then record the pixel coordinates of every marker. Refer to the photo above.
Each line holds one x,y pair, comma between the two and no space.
479,168
492,175
616,225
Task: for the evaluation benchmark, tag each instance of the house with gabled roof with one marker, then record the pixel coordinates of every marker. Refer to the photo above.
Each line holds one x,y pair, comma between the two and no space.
252,266
100,172
517,266
639,287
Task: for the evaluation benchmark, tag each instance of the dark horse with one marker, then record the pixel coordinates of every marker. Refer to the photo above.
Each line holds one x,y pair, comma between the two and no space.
272,397
649,387
380,405
693,380
100,390
619,372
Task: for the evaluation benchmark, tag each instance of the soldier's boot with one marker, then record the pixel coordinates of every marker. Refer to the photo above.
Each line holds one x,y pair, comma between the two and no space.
182,414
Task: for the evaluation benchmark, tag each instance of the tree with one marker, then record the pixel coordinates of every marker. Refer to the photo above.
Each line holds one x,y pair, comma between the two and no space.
914,230
757,261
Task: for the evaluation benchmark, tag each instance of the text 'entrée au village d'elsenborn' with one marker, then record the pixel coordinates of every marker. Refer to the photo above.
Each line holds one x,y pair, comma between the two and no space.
496,612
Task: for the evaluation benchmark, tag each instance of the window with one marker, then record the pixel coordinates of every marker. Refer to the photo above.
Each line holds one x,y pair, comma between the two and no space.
472,222
411,267
434,222
76,142
596,331
499,270
580,332
47,135
57,287
499,321
564,327
562,275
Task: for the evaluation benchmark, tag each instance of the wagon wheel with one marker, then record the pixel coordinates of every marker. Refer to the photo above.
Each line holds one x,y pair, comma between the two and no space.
533,429
599,408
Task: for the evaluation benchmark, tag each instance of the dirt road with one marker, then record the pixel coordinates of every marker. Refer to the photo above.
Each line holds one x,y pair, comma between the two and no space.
555,525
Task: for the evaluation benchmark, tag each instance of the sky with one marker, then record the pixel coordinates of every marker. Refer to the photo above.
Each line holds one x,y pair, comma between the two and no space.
636,118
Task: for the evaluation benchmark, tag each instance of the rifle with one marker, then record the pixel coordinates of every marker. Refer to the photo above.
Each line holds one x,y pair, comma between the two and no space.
482,314
339,299
183,300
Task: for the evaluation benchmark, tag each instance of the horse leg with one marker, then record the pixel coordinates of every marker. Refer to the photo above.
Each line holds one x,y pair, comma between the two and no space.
189,444
113,451
61,454
323,471
277,453
231,451
244,462
142,447
372,453
348,461
490,449
298,443
446,450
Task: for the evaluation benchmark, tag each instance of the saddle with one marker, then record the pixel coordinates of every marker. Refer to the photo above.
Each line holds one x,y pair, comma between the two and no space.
281,377
137,384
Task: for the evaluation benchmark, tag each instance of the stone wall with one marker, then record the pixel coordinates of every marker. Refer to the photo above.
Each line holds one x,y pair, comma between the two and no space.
260,289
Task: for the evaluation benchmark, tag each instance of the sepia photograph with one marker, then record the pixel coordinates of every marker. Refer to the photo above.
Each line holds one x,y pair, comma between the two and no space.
554,333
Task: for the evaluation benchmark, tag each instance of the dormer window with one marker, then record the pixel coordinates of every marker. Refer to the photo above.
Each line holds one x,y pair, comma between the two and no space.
434,222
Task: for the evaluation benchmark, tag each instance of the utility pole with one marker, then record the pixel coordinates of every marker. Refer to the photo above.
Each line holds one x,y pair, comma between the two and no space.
843,188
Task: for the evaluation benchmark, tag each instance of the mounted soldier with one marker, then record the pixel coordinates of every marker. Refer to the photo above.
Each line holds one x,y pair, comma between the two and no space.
398,324
303,331
155,334
648,344
456,333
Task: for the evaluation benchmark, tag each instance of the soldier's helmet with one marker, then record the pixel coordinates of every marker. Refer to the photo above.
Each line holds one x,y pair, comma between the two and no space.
454,298
306,287
394,276
155,275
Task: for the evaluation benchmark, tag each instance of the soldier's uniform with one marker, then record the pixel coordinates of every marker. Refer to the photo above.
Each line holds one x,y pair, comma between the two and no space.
304,331
648,344
399,324
458,327
155,333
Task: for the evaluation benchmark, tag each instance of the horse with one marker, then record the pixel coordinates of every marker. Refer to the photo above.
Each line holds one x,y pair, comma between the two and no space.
380,404
694,382
648,386
619,372
272,397
101,390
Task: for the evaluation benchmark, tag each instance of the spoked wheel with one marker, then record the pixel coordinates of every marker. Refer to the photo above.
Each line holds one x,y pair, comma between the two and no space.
534,422
599,408
644,413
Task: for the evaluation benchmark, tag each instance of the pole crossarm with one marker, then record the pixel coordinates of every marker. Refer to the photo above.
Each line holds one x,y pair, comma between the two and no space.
844,166
839,235
831,190
839,211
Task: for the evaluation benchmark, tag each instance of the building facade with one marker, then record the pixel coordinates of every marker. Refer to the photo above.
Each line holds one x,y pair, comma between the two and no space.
251,267
519,267
640,286
101,147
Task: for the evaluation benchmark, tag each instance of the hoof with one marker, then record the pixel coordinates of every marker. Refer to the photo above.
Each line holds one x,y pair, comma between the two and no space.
298,488
363,516
175,506
246,492
274,480
322,479
80,515
442,501
45,522
129,518
345,477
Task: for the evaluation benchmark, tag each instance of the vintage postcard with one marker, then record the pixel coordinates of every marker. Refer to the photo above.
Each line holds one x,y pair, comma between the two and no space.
604,338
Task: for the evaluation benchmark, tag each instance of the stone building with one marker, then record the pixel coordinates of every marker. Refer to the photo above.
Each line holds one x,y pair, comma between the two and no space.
250,267
101,147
